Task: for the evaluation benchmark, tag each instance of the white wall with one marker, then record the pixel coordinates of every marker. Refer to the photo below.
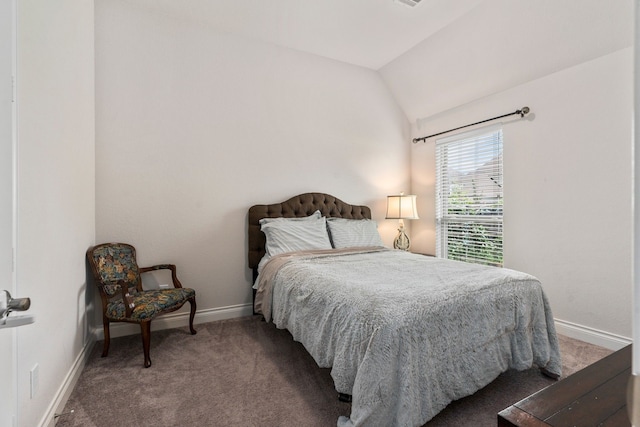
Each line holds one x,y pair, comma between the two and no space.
501,44
567,166
56,206
193,127
567,192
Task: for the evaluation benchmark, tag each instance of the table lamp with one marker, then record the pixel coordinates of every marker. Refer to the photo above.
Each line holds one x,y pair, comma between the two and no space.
402,207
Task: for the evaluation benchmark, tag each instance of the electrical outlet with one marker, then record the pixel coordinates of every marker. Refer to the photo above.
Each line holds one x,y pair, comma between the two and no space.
33,376
165,286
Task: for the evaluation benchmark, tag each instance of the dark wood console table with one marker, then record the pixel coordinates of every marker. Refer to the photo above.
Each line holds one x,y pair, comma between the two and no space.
593,396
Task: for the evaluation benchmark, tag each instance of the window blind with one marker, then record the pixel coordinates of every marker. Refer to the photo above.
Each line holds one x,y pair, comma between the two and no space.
469,196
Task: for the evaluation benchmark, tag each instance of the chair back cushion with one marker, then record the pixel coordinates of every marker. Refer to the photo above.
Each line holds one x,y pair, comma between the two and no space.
114,262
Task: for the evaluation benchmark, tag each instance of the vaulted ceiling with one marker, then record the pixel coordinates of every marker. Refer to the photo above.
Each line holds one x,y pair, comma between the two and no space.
434,56
368,33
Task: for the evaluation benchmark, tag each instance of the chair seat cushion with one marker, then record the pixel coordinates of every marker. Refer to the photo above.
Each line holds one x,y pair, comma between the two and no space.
148,304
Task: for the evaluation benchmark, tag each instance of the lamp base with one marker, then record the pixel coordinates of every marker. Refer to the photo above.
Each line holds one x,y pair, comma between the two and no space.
402,240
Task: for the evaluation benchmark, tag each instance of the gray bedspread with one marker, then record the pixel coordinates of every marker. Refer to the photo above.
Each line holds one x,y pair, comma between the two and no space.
407,334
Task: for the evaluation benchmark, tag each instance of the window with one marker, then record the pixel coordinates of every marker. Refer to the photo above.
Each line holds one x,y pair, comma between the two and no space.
469,196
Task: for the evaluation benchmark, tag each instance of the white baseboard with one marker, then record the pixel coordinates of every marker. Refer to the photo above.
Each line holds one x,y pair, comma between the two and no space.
62,395
176,320
591,335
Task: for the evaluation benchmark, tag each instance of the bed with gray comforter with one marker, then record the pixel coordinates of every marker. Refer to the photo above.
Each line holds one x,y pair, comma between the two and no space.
406,334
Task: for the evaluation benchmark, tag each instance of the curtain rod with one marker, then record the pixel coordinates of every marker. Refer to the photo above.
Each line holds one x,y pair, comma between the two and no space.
523,111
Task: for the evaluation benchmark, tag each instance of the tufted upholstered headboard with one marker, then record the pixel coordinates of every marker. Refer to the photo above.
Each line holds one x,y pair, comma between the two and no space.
296,207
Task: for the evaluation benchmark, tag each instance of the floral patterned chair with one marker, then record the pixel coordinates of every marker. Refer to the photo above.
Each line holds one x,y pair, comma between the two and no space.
117,275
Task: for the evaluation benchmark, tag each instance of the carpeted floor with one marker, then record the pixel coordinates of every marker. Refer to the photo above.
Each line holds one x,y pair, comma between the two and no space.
245,372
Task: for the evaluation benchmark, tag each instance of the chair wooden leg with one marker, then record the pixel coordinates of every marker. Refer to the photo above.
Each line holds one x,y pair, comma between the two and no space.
105,347
145,328
192,301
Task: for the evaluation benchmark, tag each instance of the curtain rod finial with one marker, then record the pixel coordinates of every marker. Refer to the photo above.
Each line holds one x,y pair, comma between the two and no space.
524,111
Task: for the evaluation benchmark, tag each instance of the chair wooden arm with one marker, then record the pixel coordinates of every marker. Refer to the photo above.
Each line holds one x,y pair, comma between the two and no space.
172,267
127,299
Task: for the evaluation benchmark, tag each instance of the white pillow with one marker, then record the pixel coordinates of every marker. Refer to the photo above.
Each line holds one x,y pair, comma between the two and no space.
294,235
347,233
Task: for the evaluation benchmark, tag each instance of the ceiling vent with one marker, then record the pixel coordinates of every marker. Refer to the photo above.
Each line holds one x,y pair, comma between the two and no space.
410,3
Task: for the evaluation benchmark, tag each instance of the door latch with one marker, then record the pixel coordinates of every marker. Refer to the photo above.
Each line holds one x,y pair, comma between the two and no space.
9,304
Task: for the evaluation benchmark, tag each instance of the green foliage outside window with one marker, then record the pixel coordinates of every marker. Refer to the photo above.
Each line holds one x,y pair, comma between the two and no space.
475,241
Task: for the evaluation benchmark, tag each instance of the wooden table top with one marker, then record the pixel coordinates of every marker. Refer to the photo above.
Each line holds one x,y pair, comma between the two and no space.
593,396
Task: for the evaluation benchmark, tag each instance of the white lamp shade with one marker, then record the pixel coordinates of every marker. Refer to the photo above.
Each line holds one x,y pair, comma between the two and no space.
402,207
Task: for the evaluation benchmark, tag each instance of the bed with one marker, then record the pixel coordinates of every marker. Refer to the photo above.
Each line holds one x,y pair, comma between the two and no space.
404,334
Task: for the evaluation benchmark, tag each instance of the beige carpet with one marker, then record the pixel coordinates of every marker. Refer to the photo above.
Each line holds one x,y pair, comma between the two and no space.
245,372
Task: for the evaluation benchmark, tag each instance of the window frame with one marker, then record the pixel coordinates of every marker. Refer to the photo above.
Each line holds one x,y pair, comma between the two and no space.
480,235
